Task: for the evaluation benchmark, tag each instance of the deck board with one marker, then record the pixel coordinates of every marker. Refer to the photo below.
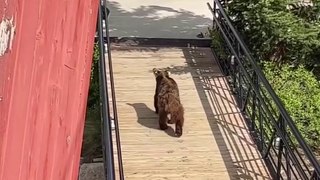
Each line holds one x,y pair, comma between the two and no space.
215,143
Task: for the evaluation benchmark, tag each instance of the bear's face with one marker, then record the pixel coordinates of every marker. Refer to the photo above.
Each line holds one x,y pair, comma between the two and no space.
160,72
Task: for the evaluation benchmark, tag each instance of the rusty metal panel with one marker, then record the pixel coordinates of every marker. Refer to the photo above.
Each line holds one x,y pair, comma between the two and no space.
45,59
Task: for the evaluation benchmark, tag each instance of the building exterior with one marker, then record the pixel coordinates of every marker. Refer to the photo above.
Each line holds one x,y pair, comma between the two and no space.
45,59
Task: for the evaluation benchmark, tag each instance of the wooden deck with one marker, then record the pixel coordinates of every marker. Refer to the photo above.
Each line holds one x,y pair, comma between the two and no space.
215,143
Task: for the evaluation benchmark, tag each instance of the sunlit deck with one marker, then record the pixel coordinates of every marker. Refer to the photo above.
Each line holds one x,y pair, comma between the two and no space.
215,144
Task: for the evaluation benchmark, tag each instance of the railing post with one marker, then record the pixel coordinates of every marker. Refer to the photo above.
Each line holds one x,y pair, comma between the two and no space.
279,146
253,115
241,90
261,122
256,104
233,74
214,12
315,176
288,165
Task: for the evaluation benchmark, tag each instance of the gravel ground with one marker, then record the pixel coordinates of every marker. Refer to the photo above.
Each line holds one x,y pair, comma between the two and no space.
91,171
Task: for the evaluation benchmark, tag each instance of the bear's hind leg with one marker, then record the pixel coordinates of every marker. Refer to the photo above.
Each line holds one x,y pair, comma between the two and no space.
156,103
178,130
163,120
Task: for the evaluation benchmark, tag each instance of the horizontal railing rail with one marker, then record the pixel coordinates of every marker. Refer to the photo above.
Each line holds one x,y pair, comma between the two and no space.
107,146
286,153
113,94
106,128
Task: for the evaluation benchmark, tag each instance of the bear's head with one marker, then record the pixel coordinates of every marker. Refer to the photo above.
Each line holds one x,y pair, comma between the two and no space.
160,73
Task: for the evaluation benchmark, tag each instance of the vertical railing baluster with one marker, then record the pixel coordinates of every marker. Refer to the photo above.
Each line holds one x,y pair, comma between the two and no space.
279,159
280,147
315,176
288,164
214,12
241,90
233,74
240,86
260,117
253,115
261,130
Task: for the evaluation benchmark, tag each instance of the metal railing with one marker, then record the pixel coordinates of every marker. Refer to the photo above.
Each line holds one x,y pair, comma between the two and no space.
284,150
108,153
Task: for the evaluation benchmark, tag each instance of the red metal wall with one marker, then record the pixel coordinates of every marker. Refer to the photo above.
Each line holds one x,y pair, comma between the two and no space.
44,79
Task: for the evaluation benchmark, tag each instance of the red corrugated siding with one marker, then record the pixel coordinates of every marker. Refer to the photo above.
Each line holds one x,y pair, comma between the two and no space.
44,83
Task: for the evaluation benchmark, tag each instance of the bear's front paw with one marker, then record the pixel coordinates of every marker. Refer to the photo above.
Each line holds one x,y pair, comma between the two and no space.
163,126
178,132
170,122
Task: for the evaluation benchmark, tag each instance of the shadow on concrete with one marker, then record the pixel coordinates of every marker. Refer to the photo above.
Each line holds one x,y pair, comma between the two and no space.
148,118
155,22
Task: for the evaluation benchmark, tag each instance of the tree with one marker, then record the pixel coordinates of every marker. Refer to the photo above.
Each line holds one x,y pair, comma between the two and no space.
278,33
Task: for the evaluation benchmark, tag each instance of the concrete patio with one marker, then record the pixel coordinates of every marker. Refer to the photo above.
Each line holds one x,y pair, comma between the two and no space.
159,19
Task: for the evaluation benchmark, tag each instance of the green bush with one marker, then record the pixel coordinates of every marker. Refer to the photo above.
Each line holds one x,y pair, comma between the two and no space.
91,146
299,90
217,44
94,96
273,32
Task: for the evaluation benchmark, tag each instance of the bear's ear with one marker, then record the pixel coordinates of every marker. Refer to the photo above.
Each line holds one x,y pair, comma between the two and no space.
155,71
167,72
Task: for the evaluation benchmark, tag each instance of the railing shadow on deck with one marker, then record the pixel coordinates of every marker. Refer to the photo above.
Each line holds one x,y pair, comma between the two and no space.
229,129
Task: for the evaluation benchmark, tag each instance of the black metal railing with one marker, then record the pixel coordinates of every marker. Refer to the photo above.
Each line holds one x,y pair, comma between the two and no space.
283,148
106,128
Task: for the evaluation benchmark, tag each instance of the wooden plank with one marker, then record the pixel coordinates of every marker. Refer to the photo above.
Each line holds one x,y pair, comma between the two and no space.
216,143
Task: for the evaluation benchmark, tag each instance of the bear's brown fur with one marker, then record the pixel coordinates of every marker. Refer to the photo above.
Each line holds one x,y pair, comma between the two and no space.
167,101
158,75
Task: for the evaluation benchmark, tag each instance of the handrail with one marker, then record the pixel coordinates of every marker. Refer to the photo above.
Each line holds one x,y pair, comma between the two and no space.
224,24
107,147
106,120
114,105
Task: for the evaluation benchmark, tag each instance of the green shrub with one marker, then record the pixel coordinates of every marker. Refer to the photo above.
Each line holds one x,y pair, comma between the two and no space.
276,33
94,95
91,146
217,44
299,90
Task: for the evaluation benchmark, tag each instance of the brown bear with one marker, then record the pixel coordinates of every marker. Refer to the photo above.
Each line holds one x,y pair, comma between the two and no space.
158,76
167,101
